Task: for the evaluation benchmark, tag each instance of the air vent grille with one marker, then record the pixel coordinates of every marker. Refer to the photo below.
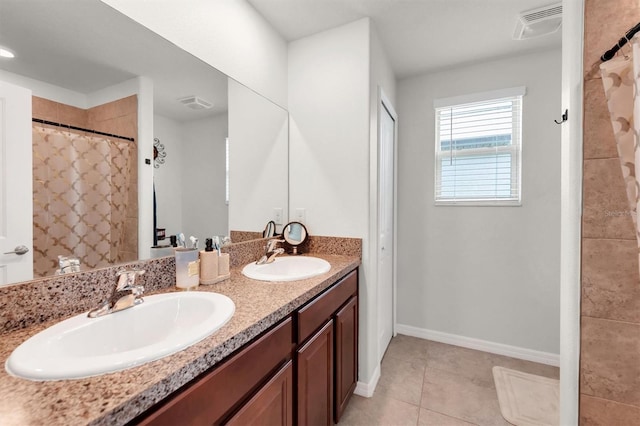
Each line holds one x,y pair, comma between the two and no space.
538,22
541,14
195,102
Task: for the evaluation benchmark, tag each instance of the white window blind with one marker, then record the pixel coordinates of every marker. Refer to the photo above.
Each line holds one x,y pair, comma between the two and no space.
478,149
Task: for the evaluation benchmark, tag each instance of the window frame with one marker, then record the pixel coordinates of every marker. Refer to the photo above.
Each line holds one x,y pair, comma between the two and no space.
514,149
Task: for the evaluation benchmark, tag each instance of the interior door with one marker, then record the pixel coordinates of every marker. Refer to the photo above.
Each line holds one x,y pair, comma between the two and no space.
386,196
16,198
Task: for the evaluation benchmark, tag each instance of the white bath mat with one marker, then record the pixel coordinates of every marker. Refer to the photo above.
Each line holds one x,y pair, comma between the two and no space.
527,399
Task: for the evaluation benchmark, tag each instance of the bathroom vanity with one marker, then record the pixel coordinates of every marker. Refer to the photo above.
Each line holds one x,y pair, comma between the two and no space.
287,356
256,385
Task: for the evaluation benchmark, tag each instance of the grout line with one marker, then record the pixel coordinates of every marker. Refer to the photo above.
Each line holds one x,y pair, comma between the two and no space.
612,320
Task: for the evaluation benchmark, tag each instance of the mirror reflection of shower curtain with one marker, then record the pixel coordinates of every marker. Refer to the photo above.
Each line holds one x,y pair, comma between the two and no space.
624,108
80,193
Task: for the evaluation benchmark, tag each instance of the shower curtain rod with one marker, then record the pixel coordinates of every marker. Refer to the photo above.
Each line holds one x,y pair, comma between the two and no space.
52,123
624,40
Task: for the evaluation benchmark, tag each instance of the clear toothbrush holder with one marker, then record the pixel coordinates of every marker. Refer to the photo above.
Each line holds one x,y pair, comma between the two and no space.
187,268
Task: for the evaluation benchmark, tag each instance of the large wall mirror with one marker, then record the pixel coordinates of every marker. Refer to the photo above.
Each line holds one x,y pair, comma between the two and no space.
186,147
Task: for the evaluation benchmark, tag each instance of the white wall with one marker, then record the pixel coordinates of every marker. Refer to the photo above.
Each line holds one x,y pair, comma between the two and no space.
258,159
204,211
228,34
46,90
190,185
329,107
489,273
168,177
329,139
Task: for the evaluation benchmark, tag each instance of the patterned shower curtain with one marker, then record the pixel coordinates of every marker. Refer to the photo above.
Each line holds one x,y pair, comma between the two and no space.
621,80
80,194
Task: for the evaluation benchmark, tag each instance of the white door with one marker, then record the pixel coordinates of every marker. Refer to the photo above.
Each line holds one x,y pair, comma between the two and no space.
16,198
386,198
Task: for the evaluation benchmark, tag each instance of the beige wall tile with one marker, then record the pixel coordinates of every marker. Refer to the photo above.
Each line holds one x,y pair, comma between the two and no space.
605,212
131,235
129,105
610,360
610,279
126,125
44,109
610,352
599,141
102,112
600,412
72,116
605,22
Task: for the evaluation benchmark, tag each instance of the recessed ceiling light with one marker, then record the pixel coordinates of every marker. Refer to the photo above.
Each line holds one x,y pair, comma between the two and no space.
6,53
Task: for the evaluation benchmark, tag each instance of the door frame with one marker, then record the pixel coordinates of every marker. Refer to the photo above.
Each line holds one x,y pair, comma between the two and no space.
571,209
385,102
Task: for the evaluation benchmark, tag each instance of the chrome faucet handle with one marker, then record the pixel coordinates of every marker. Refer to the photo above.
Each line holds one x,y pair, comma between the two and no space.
272,244
127,280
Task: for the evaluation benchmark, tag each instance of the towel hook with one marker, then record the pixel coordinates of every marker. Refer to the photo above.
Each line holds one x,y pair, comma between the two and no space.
565,117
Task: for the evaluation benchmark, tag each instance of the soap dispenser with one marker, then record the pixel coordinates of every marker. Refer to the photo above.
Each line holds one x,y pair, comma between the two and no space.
208,263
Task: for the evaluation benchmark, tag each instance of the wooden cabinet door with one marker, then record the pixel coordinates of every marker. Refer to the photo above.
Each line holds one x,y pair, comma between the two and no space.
272,405
315,379
346,324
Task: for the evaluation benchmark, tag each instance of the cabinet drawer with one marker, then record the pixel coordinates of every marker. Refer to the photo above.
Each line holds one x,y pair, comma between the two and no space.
316,313
273,403
211,398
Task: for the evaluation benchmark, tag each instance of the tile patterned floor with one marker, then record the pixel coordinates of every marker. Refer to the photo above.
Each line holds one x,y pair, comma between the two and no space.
427,383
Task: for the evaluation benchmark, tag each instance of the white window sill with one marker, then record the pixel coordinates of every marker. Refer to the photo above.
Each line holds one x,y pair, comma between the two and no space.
480,203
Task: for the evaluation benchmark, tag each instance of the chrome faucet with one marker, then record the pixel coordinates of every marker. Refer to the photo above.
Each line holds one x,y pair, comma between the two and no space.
271,251
125,282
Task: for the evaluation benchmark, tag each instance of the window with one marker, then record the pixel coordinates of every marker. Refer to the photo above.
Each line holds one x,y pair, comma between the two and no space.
478,148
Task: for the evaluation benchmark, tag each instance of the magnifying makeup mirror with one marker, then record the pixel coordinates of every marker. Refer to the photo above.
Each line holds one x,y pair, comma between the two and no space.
294,233
269,230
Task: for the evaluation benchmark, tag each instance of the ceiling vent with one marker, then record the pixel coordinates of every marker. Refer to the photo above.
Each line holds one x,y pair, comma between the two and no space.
538,22
195,102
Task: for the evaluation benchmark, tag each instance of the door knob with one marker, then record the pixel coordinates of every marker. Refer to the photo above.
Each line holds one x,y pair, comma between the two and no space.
19,250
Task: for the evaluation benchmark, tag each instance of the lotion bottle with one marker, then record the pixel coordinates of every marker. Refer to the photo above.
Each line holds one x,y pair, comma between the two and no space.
208,263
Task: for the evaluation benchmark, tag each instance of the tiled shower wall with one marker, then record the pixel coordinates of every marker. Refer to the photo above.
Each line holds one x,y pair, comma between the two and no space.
118,117
610,312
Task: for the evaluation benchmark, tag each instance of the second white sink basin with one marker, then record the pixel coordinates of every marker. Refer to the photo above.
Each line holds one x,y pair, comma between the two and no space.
287,268
82,347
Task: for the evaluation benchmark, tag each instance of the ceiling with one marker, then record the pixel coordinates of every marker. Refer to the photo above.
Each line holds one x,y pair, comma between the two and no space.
85,46
417,35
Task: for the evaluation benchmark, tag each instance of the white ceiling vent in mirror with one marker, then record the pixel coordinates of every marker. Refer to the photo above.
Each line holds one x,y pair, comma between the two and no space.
538,22
195,102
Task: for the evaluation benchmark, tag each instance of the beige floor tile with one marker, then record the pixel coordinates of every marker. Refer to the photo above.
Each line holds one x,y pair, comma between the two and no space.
401,380
431,418
408,348
474,365
456,396
379,410
524,366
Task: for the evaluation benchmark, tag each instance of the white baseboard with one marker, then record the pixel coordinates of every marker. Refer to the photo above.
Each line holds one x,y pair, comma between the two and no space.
481,345
366,389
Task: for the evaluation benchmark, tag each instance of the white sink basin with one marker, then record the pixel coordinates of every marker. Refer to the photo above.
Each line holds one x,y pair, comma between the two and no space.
82,347
287,268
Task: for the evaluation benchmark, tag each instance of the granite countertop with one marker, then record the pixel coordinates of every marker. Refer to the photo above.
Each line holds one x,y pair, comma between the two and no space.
116,398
